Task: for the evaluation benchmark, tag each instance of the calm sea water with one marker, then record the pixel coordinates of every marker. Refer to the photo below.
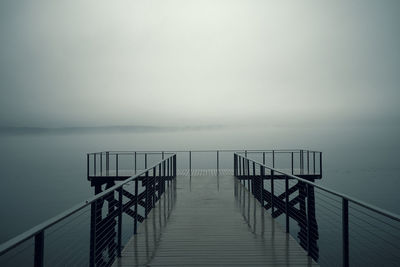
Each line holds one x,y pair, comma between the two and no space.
44,174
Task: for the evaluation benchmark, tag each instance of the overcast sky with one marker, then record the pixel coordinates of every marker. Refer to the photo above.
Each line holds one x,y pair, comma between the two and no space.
71,63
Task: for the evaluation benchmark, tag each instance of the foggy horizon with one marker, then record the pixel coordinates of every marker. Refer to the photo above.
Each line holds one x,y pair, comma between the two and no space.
75,64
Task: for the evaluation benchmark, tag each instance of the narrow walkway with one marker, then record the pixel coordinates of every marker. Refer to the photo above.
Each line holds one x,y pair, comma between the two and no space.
207,225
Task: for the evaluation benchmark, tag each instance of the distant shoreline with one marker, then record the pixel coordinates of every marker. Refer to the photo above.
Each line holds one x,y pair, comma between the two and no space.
102,129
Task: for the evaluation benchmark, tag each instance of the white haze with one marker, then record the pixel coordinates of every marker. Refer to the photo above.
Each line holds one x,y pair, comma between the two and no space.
88,63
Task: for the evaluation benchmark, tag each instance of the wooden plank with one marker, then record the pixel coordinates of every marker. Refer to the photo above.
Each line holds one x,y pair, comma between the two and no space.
209,225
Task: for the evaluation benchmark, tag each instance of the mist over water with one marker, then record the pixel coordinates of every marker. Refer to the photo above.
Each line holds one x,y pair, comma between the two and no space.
44,174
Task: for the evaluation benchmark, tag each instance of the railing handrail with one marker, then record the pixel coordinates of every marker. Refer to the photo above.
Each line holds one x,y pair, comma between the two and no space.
6,246
366,205
207,150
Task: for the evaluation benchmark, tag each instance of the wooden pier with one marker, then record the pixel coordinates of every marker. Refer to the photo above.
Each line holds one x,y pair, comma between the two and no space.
264,208
212,221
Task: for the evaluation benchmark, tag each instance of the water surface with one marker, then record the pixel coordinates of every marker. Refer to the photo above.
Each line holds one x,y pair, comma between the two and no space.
45,173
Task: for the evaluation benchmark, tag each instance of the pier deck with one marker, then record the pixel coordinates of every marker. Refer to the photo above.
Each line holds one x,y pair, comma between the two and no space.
210,223
151,209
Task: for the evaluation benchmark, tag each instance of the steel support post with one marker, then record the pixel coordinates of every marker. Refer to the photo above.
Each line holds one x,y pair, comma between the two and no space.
345,231
39,249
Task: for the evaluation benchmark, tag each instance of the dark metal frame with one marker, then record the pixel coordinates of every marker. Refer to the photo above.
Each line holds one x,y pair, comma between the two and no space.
116,208
245,169
242,170
307,167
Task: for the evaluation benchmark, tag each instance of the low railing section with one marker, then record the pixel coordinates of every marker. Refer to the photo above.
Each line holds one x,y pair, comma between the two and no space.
333,228
127,163
94,232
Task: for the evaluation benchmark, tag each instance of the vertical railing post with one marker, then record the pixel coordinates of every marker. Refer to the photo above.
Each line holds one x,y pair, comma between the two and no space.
234,166
190,163
153,202
345,231
300,161
247,172
174,159
171,166
245,169
135,162
253,178
217,162
168,167
159,180
292,164
308,161
39,249
273,158
262,174
248,175
147,193
163,176
240,167
116,165
320,163
239,171
163,169
93,230
101,163
287,202
272,191
107,163
308,194
239,159
94,164
119,237
237,165
264,158
145,161
88,166
136,206
313,162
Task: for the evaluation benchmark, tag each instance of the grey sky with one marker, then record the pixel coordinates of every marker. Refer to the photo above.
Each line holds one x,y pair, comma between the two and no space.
197,62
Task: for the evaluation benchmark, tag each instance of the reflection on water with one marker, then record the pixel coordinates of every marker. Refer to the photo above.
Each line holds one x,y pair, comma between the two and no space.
304,215
49,172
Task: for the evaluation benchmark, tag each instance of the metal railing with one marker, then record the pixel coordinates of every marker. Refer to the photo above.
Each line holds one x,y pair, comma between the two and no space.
126,163
93,232
327,224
